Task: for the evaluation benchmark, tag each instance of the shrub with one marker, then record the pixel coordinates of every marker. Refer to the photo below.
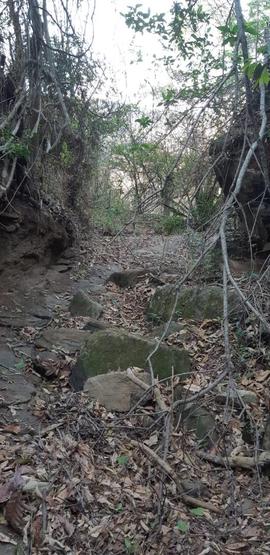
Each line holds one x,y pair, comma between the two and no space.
206,206
110,217
170,224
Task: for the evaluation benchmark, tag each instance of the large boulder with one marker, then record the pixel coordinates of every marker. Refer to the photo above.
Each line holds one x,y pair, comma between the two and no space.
82,305
194,302
112,350
115,390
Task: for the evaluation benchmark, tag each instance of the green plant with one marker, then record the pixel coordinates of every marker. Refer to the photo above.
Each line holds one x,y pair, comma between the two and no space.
111,214
183,526
198,511
205,207
170,224
130,546
13,146
66,155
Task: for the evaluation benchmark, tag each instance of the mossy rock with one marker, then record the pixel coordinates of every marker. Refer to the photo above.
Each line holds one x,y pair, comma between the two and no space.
195,303
112,350
82,305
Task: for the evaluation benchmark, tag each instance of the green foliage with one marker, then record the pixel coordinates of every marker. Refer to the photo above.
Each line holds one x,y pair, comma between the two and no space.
13,146
205,208
119,508
130,546
170,224
186,35
122,460
198,511
169,97
144,121
66,155
110,213
182,526
258,72
230,31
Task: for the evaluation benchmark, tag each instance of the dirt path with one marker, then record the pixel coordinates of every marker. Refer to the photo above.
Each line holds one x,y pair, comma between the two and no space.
35,297
112,494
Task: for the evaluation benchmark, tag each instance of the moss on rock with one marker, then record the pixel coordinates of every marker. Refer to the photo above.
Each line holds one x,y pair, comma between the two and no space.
111,350
195,303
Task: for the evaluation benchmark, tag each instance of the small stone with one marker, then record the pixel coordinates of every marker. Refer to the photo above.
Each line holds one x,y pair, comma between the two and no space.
115,391
83,305
195,488
128,278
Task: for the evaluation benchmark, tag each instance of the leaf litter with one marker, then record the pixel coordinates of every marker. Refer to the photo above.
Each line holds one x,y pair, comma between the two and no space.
86,485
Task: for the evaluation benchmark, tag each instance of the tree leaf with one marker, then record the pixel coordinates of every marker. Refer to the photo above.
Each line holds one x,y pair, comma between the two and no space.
122,459
182,526
198,511
20,365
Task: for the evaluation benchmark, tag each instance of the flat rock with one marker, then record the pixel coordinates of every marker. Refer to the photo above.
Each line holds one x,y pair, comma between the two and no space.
68,340
195,303
112,350
82,305
115,391
14,388
7,358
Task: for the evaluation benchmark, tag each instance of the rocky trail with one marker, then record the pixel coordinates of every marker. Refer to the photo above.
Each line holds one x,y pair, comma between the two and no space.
128,466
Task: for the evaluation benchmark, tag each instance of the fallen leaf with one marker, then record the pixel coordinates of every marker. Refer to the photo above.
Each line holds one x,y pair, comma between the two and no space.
6,539
15,511
11,428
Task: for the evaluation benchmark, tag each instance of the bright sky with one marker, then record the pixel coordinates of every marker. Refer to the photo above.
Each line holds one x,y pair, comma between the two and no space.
120,46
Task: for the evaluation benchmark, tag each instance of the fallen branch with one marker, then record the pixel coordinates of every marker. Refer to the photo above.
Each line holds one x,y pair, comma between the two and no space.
135,379
189,500
235,461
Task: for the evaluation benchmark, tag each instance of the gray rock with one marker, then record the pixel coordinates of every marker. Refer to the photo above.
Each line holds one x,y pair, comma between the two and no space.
95,325
82,305
128,278
196,303
68,340
195,488
236,396
14,388
7,358
199,420
196,418
115,391
113,350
